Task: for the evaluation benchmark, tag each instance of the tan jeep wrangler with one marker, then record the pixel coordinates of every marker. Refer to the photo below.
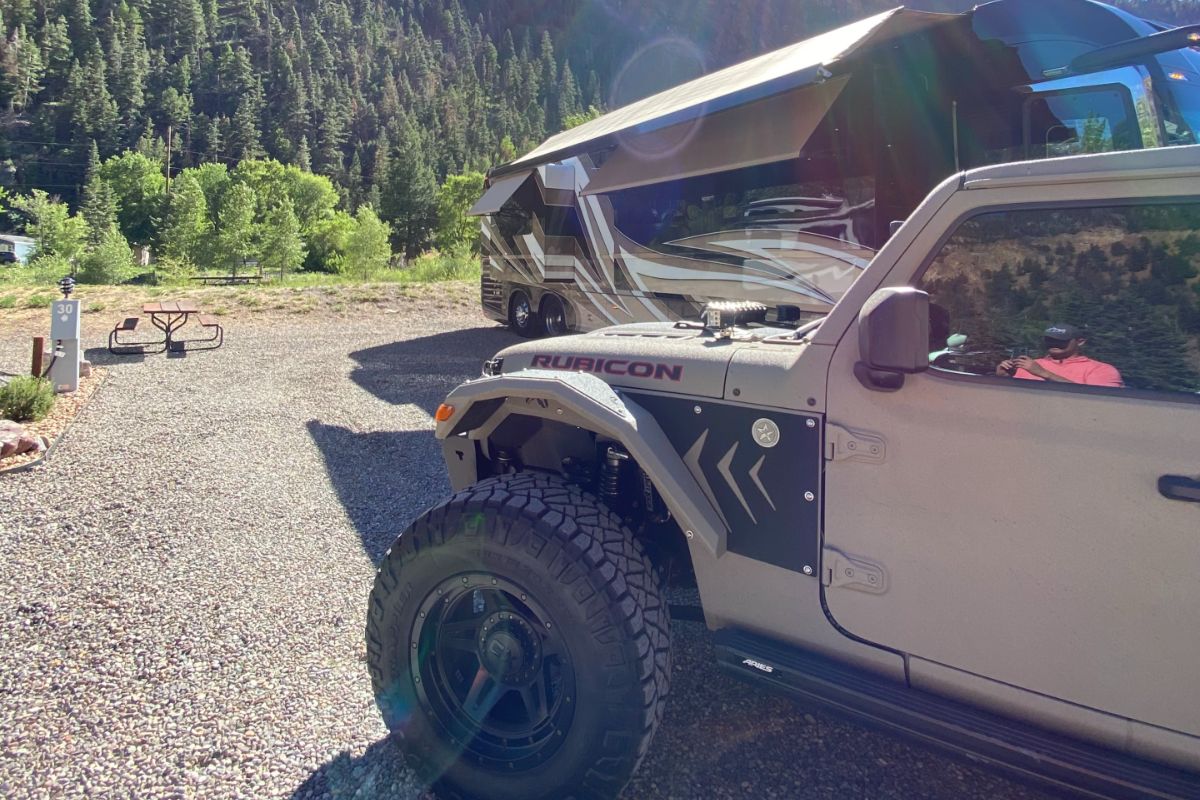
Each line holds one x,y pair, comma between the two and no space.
963,505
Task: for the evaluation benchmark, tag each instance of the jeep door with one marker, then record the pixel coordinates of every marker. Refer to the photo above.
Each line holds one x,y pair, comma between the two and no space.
1043,535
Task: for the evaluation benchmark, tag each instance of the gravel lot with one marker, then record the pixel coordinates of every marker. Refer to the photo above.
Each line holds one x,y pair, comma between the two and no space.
183,586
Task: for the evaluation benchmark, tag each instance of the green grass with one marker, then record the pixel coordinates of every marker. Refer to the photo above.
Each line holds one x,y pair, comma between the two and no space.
428,268
38,300
438,267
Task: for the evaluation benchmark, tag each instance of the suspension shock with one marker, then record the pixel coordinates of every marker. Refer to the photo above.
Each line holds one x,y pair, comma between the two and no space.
610,473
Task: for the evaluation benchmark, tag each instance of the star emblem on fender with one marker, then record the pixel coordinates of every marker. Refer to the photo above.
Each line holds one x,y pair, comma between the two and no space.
766,432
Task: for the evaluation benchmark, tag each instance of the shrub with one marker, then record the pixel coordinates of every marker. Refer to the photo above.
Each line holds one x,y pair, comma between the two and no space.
8,301
48,269
109,262
26,399
174,270
432,267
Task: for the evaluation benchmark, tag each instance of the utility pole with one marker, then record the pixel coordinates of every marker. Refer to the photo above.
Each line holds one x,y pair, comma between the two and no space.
169,130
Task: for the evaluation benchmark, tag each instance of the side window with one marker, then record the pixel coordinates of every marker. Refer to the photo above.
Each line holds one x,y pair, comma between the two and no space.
1101,296
1094,120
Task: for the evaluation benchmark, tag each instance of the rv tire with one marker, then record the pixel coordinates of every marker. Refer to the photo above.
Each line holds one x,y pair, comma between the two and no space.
522,317
554,315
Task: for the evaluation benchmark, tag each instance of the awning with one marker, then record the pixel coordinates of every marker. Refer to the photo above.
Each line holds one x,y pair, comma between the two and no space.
498,193
761,132
787,68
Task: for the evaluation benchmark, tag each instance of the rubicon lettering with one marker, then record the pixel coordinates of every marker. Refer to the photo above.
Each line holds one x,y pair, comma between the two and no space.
611,366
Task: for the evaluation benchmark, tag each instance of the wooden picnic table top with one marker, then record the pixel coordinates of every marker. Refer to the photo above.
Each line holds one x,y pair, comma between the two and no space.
171,307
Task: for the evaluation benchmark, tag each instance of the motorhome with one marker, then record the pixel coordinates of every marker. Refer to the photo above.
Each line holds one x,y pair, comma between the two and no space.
774,180
15,249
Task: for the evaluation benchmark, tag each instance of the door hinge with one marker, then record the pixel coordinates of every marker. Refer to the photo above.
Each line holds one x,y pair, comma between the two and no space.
852,572
848,444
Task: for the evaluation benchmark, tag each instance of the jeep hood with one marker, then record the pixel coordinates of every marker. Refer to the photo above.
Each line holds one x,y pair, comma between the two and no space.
655,356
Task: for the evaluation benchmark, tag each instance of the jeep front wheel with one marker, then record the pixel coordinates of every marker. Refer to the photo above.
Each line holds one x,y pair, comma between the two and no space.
518,644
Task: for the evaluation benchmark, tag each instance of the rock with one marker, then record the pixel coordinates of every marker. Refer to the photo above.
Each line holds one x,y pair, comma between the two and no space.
11,435
85,368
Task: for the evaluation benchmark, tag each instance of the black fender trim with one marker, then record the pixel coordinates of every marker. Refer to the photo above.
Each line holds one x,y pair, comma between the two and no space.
1028,751
585,401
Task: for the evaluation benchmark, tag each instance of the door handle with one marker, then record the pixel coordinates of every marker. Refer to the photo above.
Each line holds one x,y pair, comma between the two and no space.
1179,487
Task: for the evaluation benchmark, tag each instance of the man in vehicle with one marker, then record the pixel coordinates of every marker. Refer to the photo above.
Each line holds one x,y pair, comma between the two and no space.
1064,361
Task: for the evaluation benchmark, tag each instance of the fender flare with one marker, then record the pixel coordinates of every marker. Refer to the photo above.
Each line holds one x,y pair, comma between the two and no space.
576,398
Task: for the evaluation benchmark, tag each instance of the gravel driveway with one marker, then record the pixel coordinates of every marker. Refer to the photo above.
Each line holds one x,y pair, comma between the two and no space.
183,586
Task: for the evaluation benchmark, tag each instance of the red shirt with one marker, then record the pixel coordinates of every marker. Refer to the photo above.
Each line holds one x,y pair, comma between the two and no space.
1077,369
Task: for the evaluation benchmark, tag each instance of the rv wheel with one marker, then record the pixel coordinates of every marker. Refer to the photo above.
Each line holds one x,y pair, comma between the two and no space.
554,315
521,317
518,644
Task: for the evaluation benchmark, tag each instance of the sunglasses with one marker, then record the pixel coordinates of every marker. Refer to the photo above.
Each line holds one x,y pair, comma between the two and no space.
1060,344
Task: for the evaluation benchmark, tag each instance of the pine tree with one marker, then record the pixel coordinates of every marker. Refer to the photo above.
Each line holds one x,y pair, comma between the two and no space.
381,169
56,54
27,81
354,181
82,29
331,137
302,159
98,206
130,71
93,113
245,138
568,96
408,199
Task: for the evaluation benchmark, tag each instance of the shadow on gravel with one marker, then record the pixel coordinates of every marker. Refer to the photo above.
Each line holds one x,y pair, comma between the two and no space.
383,479
101,357
422,371
378,773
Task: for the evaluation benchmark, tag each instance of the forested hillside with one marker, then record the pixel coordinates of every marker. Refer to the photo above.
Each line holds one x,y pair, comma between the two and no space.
386,99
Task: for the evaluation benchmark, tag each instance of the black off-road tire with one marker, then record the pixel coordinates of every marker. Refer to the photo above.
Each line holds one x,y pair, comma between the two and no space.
587,576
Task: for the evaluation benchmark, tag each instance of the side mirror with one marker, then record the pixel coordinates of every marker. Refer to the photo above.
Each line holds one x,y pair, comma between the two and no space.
893,337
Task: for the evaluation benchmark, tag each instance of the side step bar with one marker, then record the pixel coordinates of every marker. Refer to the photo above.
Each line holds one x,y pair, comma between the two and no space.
1032,752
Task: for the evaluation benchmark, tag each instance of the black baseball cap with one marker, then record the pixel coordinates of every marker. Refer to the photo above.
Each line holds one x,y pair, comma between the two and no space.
1062,332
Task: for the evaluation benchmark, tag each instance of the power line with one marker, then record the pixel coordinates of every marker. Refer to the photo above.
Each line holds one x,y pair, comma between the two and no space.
6,140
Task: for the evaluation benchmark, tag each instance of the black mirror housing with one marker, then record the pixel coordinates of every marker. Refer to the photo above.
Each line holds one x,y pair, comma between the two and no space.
893,331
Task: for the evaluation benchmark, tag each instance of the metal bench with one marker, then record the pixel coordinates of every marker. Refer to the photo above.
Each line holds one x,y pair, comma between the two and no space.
227,279
128,326
211,342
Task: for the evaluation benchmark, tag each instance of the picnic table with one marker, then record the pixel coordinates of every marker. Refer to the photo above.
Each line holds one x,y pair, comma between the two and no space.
168,316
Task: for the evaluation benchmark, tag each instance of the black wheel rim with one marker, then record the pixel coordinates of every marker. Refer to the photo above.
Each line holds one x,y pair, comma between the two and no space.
492,671
522,311
554,318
